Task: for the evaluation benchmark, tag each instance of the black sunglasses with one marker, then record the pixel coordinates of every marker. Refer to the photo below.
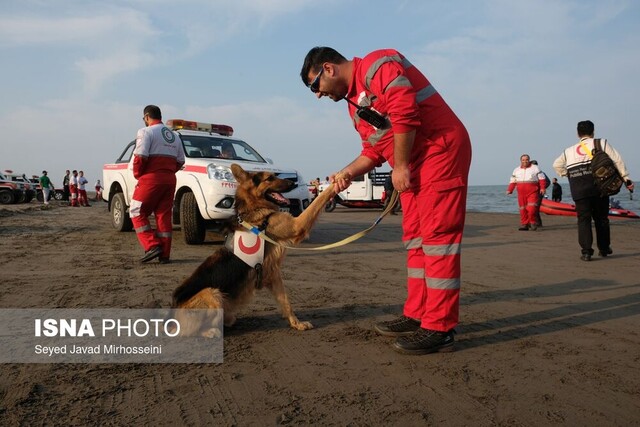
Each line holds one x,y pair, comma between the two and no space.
315,84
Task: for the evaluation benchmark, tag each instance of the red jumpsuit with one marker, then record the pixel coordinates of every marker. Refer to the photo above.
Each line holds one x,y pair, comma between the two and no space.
82,192
157,157
528,181
434,208
73,189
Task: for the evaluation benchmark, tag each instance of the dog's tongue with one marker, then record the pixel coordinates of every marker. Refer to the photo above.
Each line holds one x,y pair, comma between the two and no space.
279,198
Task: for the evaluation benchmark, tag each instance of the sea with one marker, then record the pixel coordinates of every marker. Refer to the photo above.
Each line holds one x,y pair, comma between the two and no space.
493,198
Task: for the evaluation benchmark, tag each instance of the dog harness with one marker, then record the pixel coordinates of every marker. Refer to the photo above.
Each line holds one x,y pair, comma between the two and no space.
249,247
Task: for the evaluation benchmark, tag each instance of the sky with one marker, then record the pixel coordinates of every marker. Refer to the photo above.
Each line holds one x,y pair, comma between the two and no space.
76,75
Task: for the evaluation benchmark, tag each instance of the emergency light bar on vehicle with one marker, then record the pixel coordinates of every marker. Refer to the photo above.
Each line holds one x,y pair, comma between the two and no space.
177,124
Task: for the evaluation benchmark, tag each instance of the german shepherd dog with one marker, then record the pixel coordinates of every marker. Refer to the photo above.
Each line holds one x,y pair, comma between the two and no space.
224,281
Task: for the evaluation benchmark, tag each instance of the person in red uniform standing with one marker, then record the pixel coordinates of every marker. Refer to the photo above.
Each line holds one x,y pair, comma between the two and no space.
156,159
429,150
73,188
531,185
82,191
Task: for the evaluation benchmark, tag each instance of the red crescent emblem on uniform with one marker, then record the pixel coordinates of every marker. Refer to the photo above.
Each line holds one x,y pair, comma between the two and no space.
249,250
579,150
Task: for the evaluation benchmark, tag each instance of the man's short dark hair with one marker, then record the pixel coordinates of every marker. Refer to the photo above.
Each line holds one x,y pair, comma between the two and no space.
585,128
316,57
153,111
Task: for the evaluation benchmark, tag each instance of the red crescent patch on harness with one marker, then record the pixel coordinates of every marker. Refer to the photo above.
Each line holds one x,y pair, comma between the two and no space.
249,250
251,254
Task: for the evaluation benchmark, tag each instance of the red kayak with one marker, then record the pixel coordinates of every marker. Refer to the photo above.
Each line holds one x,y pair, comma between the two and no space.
557,208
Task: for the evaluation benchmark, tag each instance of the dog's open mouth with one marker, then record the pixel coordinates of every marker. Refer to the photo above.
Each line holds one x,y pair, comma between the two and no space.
277,198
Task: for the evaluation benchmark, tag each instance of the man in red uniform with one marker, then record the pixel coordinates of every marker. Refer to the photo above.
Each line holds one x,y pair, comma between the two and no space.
73,188
156,159
531,185
429,150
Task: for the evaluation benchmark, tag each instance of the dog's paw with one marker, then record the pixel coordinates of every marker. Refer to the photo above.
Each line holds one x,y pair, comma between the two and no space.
212,333
301,326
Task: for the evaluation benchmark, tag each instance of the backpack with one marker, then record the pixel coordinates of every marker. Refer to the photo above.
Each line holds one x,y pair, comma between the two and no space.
605,173
547,181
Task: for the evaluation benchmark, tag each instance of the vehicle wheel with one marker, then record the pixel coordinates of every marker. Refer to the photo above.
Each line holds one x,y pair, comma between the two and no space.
330,206
119,216
193,226
58,195
39,196
29,198
6,197
21,198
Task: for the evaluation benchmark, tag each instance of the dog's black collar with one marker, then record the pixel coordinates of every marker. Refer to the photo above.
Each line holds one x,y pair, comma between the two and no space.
265,223
262,226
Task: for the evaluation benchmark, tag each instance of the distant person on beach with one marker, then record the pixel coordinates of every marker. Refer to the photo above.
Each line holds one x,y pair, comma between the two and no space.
82,190
556,192
547,184
65,186
156,159
530,184
575,163
98,188
402,119
46,186
613,203
73,188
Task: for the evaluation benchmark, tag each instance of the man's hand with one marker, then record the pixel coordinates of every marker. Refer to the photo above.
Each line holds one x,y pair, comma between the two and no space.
341,180
401,178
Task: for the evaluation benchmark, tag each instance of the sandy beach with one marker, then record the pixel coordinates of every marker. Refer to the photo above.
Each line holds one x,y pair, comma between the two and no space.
544,338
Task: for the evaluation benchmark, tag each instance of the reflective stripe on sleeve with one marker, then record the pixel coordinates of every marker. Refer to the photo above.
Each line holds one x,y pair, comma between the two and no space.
377,136
377,64
425,93
400,81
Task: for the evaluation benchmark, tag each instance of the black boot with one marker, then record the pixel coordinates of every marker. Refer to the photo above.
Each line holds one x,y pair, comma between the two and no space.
398,327
425,341
151,254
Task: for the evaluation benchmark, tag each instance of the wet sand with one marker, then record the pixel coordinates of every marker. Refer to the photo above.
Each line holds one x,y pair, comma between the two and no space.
544,338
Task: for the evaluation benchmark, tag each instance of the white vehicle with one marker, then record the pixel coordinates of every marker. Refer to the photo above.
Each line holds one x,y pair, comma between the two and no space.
10,191
205,189
365,191
22,193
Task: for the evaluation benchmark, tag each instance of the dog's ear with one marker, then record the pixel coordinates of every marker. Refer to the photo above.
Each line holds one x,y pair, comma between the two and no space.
239,173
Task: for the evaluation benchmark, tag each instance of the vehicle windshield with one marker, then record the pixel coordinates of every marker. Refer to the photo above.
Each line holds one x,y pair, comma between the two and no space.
210,147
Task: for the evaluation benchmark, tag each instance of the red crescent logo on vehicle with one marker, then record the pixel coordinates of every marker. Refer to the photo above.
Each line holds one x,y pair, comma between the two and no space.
249,250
